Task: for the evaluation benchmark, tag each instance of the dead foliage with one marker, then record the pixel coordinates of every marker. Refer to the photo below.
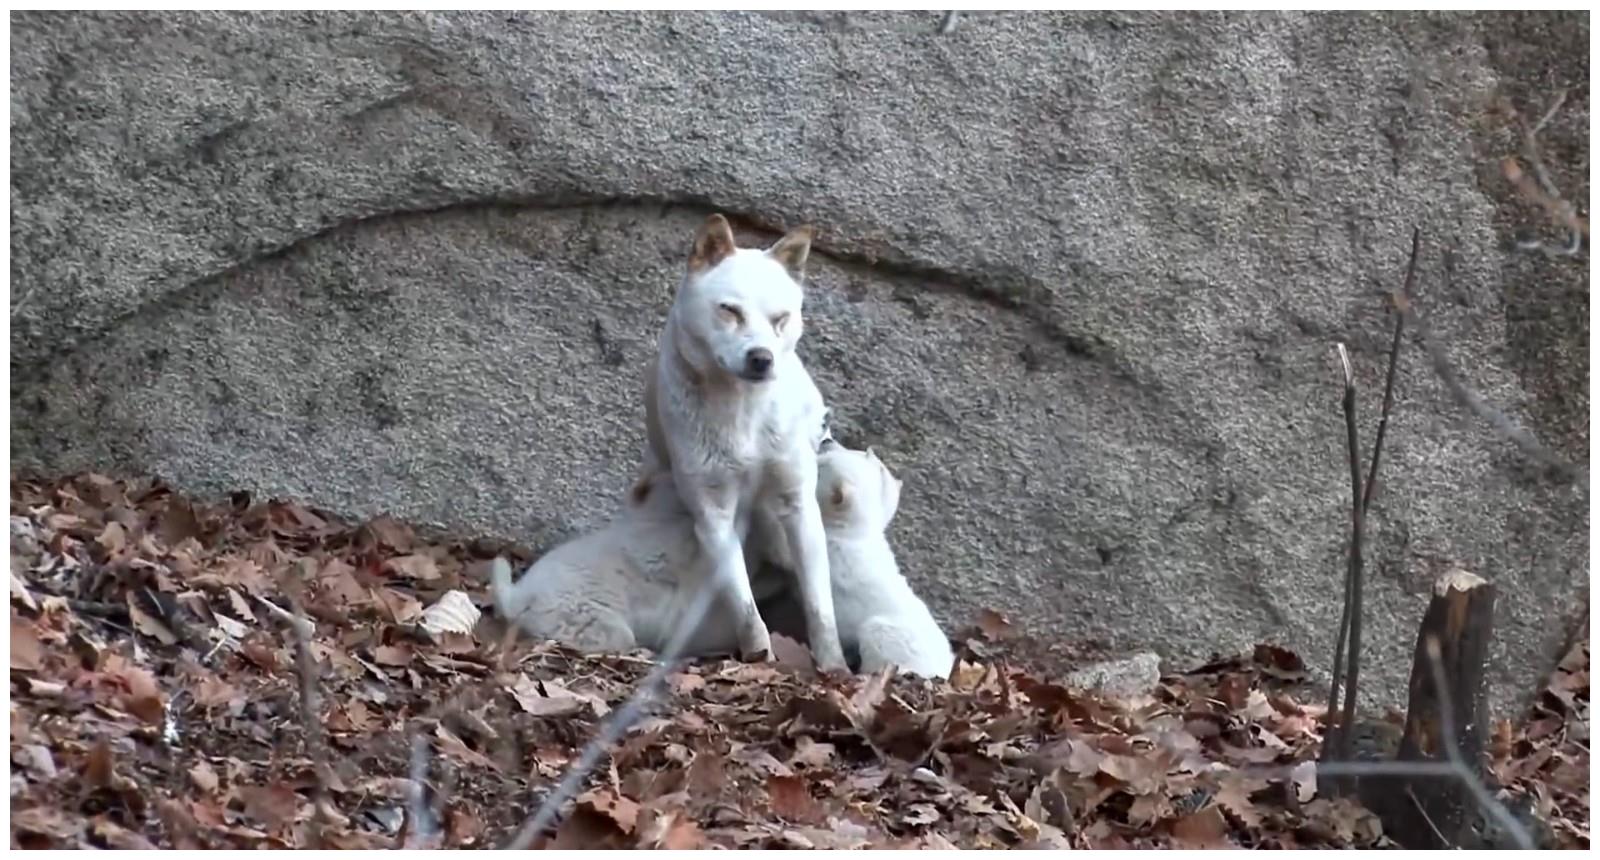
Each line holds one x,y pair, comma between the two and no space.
156,702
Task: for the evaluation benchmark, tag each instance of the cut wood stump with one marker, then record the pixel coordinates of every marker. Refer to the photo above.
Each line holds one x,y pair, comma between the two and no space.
1431,811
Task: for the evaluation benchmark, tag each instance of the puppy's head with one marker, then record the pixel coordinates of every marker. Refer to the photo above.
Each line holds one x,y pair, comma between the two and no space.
855,489
740,307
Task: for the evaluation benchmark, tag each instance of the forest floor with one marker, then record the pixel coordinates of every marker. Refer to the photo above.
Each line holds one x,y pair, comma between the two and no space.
159,684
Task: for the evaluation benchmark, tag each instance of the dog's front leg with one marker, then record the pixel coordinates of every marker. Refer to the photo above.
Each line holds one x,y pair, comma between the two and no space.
797,509
715,506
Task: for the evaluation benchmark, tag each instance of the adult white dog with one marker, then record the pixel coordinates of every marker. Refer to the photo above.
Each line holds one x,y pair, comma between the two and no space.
732,414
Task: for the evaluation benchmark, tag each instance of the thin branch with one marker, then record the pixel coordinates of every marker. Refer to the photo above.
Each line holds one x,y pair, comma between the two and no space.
1541,190
322,814
420,829
1347,717
1473,402
1468,773
621,719
1407,291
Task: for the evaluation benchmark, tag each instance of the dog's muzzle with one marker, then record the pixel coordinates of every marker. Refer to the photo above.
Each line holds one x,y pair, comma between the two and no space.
758,365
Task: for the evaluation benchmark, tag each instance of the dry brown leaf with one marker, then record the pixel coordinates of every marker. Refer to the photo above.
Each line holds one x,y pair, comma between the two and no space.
622,812
419,567
204,778
393,655
272,805
993,625
790,799
27,653
1204,829
148,624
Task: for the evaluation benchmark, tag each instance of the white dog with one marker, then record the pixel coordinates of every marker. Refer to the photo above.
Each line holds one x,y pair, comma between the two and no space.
732,413
630,584
880,618
626,586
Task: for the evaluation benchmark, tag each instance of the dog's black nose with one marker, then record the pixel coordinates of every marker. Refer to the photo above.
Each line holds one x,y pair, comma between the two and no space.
758,362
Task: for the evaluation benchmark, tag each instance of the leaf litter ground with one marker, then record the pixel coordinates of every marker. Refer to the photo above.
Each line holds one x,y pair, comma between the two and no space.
156,702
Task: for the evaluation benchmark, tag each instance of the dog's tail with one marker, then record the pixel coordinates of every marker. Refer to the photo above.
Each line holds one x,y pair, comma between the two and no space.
500,586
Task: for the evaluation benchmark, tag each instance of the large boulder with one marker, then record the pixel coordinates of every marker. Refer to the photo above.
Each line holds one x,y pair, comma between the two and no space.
1079,280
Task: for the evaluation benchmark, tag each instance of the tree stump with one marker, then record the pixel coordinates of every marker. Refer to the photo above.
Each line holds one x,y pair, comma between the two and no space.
1432,811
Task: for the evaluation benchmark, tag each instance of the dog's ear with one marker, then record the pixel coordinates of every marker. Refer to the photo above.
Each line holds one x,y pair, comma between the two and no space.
713,243
840,497
792,250
641,489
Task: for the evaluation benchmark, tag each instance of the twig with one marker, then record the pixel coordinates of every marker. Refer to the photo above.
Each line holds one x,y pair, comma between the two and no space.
420,829
1407,290
1541,190
1468,774
1473,402
322,814
1347,717
621,719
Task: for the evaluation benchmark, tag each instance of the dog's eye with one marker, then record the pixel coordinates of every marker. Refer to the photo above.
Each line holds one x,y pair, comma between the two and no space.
731,312
779,321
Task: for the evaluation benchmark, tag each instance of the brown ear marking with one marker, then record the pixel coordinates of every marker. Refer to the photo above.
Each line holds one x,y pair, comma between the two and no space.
641,489
841,494
713,243
792,250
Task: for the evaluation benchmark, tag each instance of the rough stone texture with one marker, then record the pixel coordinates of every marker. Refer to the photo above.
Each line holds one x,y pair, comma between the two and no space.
1134,675
1079,280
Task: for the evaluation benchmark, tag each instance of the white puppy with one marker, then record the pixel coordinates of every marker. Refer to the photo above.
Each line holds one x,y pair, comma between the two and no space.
628,585
880,618
732,413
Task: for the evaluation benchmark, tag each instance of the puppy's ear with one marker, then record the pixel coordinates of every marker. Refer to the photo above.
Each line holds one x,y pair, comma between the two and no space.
841,495
792,250
641,489
713,243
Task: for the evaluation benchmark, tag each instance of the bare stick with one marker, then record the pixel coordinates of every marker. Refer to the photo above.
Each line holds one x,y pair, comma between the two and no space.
1541,190
1347,717
621,719
1407,290
1473,402
420,829
311,719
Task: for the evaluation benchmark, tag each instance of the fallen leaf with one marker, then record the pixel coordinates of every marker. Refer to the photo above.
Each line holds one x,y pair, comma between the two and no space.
993,625
272,805
622,812
19,590
453,612
27,654
790,653
392,655
204,778
421,567
790,799
1204,829
148,624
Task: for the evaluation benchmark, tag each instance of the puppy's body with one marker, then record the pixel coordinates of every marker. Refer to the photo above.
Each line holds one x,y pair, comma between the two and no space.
625,586
731,413
880,618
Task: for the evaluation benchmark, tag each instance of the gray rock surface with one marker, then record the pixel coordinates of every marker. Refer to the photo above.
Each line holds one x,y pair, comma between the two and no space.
1079,279
1133,675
